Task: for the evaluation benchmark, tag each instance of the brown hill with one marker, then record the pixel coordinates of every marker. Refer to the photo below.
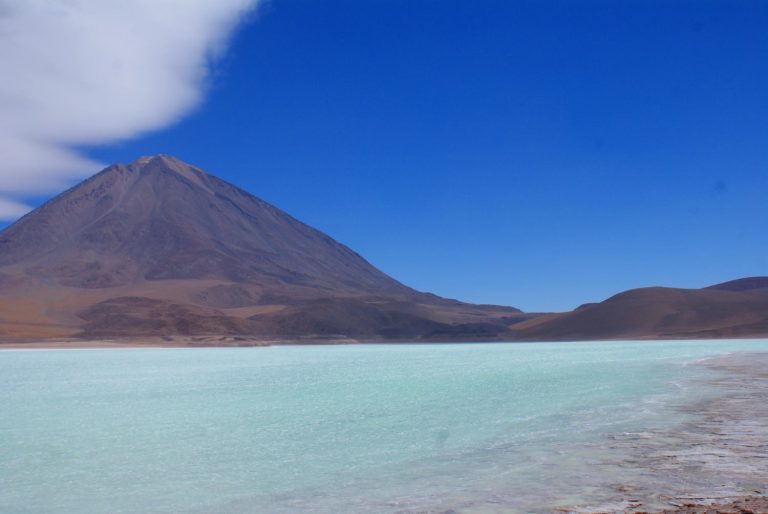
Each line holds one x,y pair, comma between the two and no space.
733,309
742,284
158,247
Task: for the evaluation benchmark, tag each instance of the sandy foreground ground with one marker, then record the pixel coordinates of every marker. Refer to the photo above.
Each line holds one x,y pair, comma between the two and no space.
715,462
163,342
139,342
78,345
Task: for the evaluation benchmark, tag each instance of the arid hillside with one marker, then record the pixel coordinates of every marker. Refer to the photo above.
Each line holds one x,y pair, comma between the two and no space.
733,309
158,247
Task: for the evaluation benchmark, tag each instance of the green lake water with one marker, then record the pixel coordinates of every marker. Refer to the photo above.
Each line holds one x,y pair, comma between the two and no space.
500,427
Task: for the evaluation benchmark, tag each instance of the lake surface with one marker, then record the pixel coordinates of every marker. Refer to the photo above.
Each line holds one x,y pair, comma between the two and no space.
332,429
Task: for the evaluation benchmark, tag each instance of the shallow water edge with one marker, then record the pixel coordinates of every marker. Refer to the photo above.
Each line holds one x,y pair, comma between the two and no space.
472,429
718,456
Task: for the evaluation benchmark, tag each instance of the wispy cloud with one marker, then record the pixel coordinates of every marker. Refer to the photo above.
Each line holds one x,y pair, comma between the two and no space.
86,72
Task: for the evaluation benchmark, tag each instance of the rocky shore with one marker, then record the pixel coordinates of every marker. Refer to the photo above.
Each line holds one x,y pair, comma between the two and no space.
716,462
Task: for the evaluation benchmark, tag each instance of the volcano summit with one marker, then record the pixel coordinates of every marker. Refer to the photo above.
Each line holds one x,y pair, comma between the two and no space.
159,247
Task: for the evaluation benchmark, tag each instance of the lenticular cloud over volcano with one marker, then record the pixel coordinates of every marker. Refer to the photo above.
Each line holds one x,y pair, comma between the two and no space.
84,72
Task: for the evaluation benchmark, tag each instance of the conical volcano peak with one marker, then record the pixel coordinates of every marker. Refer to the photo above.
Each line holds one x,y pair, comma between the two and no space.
161,158
163,163
160,218
158,246
142,161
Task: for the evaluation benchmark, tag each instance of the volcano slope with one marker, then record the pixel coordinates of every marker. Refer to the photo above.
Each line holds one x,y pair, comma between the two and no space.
160,248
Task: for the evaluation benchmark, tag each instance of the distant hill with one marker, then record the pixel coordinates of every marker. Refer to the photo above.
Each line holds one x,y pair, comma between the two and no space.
742,284
159,247
733,309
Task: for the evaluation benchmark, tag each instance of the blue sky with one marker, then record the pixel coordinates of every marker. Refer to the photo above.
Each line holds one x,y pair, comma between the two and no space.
540,154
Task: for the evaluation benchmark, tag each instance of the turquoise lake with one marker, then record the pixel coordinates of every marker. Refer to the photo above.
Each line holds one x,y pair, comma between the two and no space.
504,427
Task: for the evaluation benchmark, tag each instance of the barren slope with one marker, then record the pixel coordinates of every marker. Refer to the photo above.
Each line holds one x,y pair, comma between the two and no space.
160,247
732,309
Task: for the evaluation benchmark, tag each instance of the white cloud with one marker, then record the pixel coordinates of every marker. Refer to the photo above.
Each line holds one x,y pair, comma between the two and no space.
85,72
10,209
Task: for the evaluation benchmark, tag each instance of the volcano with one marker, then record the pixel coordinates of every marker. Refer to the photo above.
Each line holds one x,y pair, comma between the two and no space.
160,248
